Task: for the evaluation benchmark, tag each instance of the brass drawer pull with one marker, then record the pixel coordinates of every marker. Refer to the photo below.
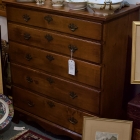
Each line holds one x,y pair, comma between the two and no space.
28,57
50,80
72,27
49,37
73,120
73,95
29,79
48,18
76,70
104,6
50,57
26,36
30,104
72,48
51,104
26,17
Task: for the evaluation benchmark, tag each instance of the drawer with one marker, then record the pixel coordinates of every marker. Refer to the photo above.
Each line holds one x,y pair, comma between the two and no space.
55,42
72,94
69,25
86,73
60,114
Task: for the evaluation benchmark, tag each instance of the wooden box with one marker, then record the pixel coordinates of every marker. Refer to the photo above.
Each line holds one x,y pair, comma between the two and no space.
136,134
133,111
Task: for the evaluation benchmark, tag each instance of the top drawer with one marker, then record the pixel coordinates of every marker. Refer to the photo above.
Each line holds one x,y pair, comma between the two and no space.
54,22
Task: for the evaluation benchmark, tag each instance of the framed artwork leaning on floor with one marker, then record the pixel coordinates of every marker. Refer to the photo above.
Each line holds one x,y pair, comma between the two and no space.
106,129
135,57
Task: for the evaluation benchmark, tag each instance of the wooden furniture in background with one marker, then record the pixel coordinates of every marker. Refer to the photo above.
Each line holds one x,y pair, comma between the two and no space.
133,111
2,9
136,134
41,39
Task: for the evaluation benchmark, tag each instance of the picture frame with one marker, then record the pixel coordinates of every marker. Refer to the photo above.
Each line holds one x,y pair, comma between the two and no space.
106,129
1,74
135,58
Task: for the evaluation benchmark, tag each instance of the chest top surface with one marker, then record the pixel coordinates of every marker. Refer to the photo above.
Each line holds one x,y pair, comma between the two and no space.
66,11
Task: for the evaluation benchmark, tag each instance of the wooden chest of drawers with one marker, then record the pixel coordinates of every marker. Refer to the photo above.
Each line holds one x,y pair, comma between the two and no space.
41,39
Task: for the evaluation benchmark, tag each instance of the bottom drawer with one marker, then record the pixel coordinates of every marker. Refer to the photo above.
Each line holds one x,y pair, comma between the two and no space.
55,112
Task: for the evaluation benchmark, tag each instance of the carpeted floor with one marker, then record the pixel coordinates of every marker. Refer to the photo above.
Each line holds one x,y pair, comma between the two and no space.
10,132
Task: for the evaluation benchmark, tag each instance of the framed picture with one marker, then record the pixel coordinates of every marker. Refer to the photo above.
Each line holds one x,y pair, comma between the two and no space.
106,129
1,75
135,59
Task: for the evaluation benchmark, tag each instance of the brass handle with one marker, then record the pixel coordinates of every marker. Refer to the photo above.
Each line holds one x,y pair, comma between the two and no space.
26,36
51,104
105,4
72,48
76,70
28,57
29,79
48,18
26,17
73,95
50,80
73,120
110,7
50,57
49,37
72,27
30,104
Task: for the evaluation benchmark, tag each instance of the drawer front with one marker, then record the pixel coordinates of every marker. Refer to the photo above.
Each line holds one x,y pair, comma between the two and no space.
55,42
51,86
86,73
48,109
73,26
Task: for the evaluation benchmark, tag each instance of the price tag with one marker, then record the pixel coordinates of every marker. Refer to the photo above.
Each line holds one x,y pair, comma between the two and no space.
19,128
71,67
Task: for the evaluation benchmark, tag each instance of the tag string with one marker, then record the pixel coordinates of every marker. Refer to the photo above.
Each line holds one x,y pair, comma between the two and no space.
71,54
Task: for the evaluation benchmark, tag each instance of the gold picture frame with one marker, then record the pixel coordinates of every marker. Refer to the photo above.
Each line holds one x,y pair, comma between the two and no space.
135,58
106,129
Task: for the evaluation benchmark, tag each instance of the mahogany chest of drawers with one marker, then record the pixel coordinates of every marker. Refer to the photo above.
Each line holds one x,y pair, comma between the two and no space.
41,39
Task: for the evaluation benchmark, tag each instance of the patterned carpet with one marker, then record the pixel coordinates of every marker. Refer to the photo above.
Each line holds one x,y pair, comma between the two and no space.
29,135
10,132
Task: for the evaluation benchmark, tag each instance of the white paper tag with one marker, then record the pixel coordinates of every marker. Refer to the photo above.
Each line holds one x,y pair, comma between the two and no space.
19,128
71,67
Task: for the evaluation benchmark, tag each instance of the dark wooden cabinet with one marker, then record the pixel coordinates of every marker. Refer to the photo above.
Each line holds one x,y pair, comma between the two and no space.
39,53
